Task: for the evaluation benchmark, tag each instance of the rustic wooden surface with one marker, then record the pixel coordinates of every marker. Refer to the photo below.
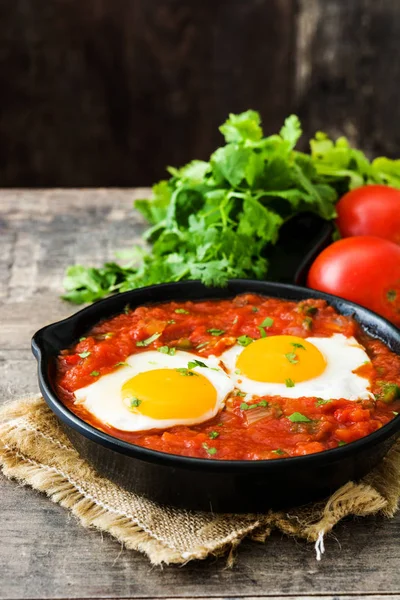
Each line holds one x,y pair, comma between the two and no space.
108,92
44,552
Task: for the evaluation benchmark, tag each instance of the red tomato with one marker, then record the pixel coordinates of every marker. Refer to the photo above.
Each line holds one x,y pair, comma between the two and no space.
370,210
363,269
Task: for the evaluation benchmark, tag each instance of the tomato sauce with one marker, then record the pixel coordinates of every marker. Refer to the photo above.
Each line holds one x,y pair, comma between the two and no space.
210,327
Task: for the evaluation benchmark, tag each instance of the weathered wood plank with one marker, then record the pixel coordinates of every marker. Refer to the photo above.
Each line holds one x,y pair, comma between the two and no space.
44,552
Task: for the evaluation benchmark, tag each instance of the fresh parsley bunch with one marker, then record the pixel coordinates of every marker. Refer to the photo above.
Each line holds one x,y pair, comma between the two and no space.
215,220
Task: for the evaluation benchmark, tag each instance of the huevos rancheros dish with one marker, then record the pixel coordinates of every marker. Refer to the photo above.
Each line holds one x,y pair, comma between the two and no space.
247,378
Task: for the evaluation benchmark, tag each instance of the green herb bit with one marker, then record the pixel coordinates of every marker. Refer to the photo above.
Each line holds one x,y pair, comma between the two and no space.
216,332
241,394
202,345
297,417
127,309
292,358
149,340
246,406
134,402
391,295
321,402
82,339
213,435
296,345
121,364
390,392
237,372
167,350
268,322
171,322
182,311
196,363
395,413
95,373
186,372
84,354
308,323
278,451
244,340
108,335
255,309
289,382
341,443
263,333
210,451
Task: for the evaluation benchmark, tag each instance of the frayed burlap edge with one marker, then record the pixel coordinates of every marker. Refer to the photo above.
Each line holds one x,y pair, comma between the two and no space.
25,456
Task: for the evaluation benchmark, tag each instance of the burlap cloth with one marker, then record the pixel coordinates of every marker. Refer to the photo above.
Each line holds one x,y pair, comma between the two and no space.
35,451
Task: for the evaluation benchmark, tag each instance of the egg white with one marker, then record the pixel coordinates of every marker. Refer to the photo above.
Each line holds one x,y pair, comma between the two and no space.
103,398
343,355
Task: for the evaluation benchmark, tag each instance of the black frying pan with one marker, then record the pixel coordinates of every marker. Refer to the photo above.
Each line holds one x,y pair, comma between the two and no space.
206,484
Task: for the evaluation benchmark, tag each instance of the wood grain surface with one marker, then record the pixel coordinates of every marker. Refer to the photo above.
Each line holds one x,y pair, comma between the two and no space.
109,92
44,552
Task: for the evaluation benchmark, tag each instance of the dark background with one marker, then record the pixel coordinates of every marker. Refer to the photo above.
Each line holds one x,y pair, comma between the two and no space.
108,92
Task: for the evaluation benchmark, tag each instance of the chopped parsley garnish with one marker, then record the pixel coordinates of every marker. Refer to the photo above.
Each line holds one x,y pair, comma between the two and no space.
255,309
261,404
237,371
171,322
149,340
292,358
297,417
210,451
134,402
84,354
127,309
95,373
182,311
278,451
82,339
341,443
244,340
321,402
121,364
241,394
389,393
108,335
395,413
167,350
215,332
196,363
186,372
268,322
296,345
213,434
391,295
289,382
307,323
202,345
310,310
263,333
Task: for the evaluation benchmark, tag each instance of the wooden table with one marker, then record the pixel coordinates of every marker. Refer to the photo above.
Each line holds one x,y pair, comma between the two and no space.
44,552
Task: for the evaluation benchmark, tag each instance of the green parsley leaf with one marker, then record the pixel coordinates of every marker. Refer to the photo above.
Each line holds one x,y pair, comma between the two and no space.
171,322
182,311
308,323
196,363
210,451
295,345
213,435
279,452
268,322
202,345
167,350
340,443
121,364
216,332
297,417
321,402
292,357
244,340
186,372
149,340
310,310
82,339
95,373
255,309
84,354
263,333
395,413
127,309
289,382
246,406
134,402
241,394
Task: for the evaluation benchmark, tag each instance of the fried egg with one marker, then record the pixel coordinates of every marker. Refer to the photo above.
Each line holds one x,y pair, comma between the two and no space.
152,390
293,367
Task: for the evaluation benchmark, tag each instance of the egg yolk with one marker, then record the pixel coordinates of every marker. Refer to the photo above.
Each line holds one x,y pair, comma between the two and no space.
169,394
279,358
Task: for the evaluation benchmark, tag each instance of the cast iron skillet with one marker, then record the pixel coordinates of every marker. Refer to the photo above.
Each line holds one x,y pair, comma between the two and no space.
207,484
